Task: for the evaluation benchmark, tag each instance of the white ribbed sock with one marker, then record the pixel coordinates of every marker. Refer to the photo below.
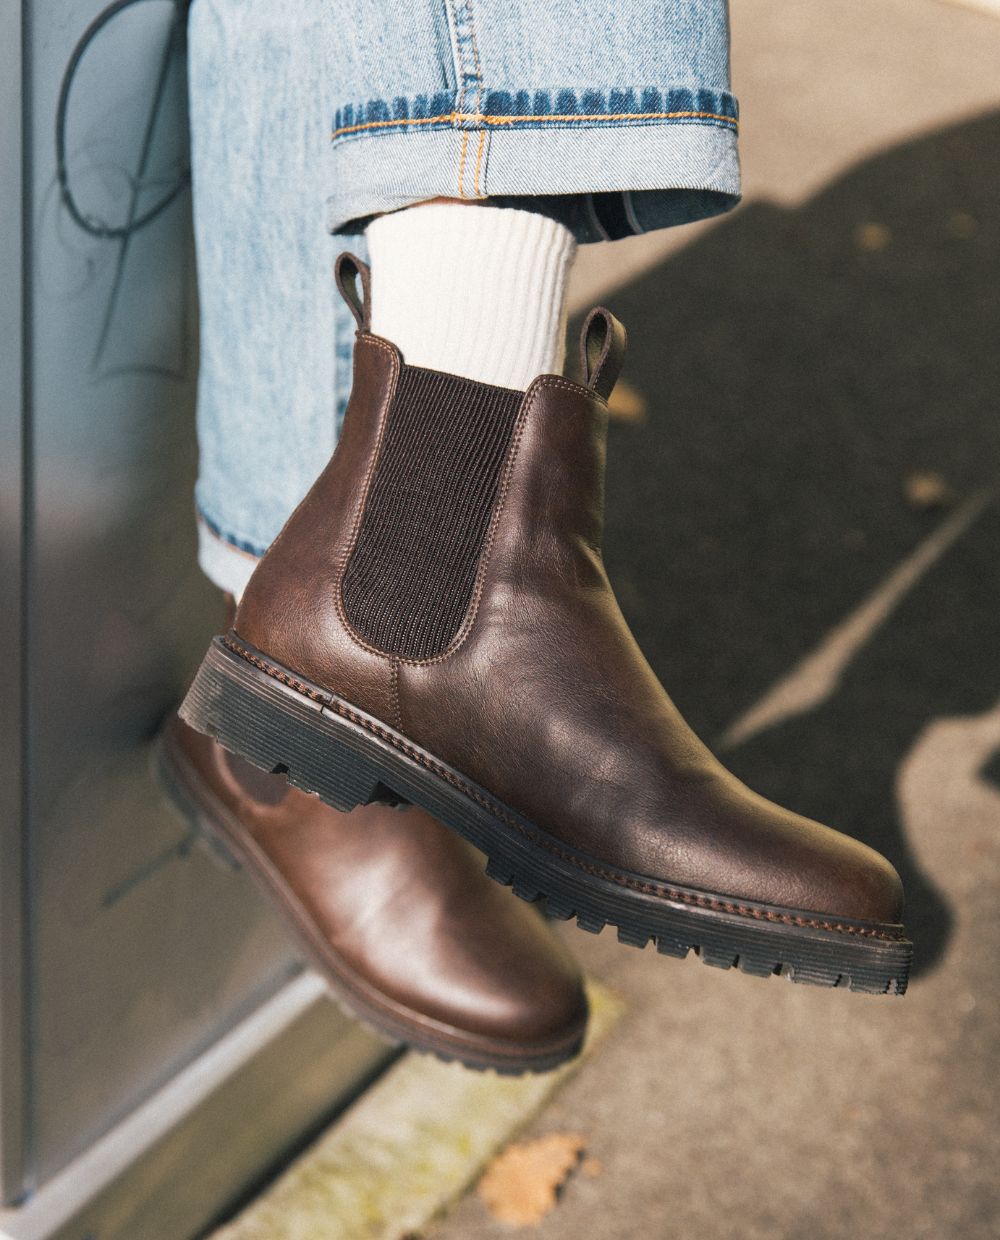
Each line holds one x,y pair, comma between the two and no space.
477,291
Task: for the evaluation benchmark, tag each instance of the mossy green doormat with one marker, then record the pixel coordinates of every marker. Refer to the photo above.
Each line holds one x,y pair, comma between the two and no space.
414,1142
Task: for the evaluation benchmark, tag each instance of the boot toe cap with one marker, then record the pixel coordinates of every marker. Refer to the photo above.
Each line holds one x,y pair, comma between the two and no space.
519,987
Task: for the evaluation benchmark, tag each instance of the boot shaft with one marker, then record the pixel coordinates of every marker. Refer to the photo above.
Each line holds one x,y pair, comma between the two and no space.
441,490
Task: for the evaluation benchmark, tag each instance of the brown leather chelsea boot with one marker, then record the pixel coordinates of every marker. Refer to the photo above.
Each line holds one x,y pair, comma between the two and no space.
394,911
434,623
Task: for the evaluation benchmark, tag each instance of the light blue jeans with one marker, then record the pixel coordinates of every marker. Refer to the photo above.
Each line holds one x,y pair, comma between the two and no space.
310,117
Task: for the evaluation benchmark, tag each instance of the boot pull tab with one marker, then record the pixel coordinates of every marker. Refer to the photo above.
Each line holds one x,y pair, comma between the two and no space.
602,350
346,272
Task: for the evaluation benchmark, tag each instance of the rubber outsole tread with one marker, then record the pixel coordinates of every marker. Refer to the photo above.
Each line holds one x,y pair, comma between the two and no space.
753,967
274,719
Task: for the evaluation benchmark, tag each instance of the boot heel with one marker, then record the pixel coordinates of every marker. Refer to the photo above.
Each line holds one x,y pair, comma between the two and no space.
258,718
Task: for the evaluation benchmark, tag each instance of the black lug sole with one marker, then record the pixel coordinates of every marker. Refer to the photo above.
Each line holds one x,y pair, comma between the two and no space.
280,722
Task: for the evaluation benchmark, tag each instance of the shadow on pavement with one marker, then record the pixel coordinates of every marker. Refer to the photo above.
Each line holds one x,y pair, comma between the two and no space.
799,366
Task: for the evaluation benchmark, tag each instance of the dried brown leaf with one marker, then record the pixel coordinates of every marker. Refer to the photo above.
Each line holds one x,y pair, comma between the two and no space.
522,1183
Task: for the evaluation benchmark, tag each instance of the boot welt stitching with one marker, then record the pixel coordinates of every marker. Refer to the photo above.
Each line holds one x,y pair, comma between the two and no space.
397,714
682,897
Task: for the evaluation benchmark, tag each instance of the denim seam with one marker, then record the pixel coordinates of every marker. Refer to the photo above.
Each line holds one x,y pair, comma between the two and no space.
465,36
540,121
461,164
479,162
468,71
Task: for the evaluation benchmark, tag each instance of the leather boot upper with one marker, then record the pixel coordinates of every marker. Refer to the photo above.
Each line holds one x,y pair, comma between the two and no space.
403,905
542,695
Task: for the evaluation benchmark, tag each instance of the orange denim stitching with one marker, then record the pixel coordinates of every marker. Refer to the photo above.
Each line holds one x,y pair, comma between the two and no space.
460,108
454,117
461,164
479,160
479,101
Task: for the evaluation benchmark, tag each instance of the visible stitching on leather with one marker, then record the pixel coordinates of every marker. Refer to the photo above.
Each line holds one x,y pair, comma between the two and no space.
531,397
484,559
494,807
397,714
544,383
567,385
304,501
338,586
237,648
460,636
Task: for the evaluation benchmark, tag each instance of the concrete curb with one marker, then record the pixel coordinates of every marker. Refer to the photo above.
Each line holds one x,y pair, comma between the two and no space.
410,1147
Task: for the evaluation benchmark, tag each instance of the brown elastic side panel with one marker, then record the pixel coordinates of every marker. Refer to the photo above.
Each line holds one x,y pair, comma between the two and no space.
409,581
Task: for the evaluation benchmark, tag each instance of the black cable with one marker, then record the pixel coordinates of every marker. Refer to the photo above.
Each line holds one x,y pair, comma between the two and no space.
96,227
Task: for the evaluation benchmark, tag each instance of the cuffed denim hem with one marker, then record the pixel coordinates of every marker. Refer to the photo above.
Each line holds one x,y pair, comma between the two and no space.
603,181
226,563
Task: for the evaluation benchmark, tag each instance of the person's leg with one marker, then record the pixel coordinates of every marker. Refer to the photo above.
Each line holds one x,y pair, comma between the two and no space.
606,117
609,119
614,116
450,964
435,622
274,336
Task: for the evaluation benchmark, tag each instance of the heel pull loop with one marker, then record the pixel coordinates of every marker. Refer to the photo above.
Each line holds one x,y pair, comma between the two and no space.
346,271
602,350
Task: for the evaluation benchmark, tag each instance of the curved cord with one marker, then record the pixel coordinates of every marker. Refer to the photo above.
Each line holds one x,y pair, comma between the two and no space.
89,224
